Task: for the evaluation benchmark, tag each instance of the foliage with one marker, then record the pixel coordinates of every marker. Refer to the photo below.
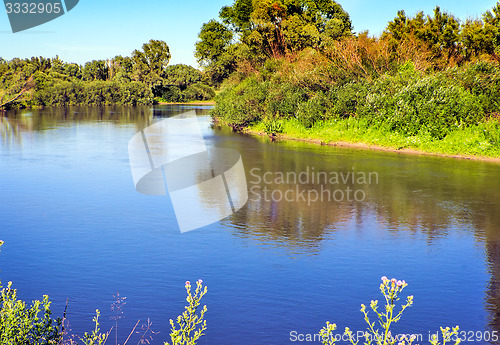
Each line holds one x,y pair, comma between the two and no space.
273,126
390,289
135,80
191,325
151,62
184,83
257,30
96,337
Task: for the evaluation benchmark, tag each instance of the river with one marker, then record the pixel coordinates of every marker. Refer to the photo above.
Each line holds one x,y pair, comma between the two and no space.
321,226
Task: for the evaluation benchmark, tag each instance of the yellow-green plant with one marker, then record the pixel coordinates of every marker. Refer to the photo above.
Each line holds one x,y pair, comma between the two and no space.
190,325
96,337
390,289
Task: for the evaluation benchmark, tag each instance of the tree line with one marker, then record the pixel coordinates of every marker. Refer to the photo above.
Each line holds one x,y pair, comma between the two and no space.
140,79
250,32
426,75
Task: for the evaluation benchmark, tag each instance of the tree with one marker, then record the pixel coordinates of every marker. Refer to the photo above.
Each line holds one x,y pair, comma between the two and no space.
122,68
492,24
478,38
214,41
182,76
254,30
238,16
215,51
440,34
151,62
95,70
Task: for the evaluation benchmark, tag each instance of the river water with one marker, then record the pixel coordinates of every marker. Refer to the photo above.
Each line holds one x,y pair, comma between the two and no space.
321,226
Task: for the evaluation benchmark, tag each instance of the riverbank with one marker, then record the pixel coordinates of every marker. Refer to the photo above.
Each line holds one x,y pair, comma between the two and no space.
188,103
468,143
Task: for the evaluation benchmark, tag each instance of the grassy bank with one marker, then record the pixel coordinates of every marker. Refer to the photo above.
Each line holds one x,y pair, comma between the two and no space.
474,141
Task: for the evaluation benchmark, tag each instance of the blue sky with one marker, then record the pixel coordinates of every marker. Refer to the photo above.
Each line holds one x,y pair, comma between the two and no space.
101,29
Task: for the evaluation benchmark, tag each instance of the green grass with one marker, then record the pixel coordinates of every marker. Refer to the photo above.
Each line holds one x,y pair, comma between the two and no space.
479,140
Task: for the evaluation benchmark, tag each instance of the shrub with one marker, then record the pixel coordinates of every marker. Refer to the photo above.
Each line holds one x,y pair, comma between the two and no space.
432,104
313,110
190,325
241,105
391,290
199,92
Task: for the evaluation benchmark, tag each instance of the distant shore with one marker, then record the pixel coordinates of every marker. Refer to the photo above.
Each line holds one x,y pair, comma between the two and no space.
188,103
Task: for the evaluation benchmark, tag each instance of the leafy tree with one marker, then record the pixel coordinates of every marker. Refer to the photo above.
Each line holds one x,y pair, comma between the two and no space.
181,76
73,70
214,50
95,70
478,38
151,62
253,31
238,16
214,41
492,21
439,33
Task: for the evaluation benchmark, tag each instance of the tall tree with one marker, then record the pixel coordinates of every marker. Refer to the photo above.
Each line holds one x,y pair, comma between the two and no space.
151,62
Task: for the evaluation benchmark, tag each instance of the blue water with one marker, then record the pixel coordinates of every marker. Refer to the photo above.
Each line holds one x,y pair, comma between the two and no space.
76,229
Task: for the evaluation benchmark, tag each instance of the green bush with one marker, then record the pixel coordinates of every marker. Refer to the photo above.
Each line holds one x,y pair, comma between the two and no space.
172,94
313,110
199,92
96,93
432,104
241,105
482,80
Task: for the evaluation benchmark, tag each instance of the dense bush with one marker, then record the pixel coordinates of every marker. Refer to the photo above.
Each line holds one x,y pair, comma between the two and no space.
433,104
408,101
92,93
241,105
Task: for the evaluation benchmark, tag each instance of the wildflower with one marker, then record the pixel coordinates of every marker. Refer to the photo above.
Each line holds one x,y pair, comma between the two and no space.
384,279
188,283
393,280
399,283
199,281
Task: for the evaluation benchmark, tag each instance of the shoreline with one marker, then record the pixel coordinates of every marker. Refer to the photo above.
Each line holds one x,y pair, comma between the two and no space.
364,146
188,103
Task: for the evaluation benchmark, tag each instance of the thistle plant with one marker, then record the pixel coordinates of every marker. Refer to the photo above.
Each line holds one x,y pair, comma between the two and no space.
190,325
387,316
96,337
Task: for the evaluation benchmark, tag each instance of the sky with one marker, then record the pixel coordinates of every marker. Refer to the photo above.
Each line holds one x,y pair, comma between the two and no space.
102,29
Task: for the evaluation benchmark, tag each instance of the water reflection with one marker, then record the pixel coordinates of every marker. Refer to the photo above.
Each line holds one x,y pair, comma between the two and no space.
16,122
414,194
